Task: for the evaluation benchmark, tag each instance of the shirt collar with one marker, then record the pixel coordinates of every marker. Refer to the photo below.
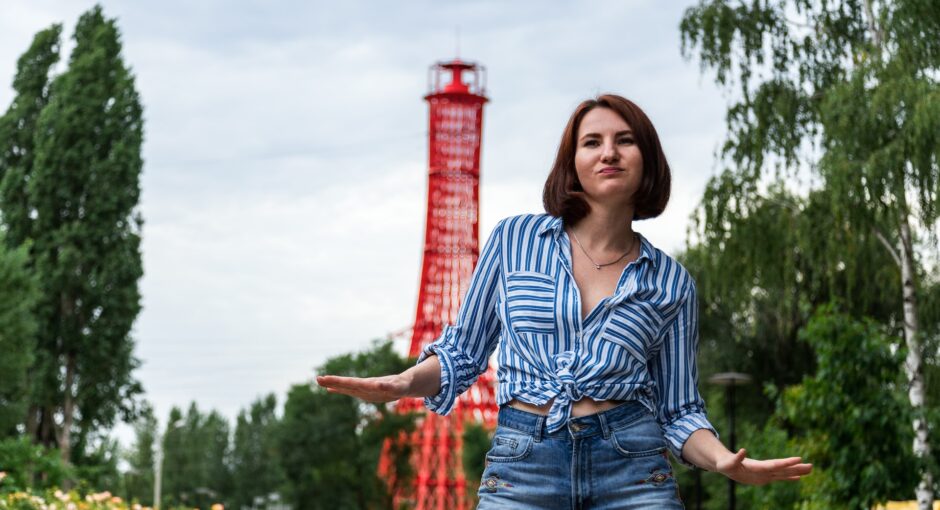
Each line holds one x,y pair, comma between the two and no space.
556,226
646,250
553,225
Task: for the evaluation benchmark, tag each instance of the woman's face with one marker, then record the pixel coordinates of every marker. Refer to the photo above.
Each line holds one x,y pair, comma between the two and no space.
607,160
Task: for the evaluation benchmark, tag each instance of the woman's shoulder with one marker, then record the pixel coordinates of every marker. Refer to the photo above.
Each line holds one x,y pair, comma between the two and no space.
526,225
668,272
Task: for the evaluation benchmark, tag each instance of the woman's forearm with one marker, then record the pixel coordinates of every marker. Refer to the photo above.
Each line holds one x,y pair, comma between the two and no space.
704,450
424,379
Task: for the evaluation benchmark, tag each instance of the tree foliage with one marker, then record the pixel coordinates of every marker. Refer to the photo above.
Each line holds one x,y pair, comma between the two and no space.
330,444
18,288
69,187
30,466
843,99
18,296
865,456
196,457
32,89
139,475
256,468
84,189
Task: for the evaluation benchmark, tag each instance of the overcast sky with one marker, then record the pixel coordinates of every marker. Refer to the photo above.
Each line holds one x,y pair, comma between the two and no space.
285,159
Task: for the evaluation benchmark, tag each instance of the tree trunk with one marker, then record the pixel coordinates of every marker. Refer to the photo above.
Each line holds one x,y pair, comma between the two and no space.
68,411
914,365
47,435
32,422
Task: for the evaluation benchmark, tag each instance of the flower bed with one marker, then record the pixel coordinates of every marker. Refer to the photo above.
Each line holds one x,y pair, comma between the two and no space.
72,500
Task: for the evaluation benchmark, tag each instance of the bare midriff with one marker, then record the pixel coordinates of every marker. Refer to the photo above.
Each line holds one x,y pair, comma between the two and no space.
584,407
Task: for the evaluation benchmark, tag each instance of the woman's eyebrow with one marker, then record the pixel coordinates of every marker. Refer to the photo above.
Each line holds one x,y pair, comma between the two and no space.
597,135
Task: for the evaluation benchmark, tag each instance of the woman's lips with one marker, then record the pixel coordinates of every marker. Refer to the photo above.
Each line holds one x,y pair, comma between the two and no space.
609,170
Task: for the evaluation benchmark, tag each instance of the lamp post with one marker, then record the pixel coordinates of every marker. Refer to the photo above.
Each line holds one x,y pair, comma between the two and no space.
730,380
158,461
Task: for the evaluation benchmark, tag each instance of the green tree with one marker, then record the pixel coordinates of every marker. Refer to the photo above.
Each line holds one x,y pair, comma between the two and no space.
83,191
330,444
866,456
256,469
196,471
96,464
18,296
138,479
318,448
848,92
30,466
31,87
18,291
175,450
760,275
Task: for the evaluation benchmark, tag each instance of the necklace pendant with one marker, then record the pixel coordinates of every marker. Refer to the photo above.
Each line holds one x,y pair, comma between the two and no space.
597,267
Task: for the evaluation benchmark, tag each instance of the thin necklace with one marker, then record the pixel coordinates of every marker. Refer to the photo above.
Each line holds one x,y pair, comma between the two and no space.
599,266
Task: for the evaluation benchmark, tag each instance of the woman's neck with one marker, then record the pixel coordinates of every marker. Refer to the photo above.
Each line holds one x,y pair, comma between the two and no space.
606,229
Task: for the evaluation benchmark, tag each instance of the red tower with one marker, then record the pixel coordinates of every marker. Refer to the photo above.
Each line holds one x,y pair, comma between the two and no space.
451,248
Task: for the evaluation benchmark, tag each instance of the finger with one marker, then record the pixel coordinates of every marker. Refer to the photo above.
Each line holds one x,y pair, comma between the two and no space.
797,470
789,461
348,383
773,464
793,473
794,469
336,380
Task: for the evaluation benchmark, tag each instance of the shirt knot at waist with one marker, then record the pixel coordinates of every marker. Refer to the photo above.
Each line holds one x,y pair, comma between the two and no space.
564,367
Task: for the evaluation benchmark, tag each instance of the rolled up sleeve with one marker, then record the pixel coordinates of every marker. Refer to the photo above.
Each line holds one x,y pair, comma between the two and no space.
464,348
681,409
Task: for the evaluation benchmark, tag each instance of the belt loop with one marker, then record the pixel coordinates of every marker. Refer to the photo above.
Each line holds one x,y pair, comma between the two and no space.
605,429
539,426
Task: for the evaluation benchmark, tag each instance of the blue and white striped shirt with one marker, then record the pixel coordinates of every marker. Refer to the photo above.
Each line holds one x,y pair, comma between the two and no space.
637,344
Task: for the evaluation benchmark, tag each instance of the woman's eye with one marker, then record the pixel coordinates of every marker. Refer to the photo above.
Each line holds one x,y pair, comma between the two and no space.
626,140
591,143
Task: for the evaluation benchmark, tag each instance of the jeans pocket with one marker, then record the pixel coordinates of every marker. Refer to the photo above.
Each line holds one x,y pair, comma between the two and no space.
642,438
509,445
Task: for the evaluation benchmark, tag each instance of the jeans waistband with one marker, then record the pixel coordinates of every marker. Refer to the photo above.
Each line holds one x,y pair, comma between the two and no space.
581,426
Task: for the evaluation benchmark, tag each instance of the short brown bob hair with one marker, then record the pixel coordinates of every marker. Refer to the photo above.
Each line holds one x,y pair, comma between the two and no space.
561,195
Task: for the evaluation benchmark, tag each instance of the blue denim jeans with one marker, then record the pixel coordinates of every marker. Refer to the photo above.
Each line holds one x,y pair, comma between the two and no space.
613,459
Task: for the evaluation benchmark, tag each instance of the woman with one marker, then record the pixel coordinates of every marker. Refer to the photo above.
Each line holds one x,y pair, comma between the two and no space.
597,337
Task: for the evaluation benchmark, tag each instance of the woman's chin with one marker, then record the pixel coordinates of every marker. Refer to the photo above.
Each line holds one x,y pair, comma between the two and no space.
611,195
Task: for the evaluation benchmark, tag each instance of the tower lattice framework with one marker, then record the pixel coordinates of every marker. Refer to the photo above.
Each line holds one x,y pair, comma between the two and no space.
451,248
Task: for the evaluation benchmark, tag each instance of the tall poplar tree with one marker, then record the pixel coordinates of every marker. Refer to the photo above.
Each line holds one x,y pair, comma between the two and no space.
83,192
847,90
17,286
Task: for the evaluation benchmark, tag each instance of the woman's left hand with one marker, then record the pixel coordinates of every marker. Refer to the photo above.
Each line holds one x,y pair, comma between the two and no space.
759,472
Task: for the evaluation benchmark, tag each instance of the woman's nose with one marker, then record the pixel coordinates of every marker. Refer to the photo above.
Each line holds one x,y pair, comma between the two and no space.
609,152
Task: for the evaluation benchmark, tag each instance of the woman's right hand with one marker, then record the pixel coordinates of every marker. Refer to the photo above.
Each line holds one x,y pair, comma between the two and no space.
421,380
371,389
